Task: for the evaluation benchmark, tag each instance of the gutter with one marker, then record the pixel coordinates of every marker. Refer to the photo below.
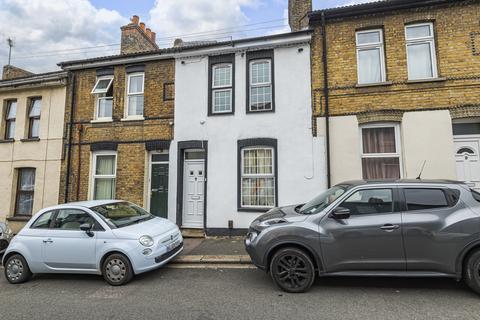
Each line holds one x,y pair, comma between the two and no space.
326,93
70,130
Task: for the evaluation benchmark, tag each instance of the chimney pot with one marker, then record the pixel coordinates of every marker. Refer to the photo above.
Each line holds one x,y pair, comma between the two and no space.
142,26
153,36
135,19
149,33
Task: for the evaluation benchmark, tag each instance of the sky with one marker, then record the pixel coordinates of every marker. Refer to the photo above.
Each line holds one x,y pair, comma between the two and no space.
46,32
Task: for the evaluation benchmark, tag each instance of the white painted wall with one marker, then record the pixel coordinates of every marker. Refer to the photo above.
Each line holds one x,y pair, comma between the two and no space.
44,155
425,135
301,172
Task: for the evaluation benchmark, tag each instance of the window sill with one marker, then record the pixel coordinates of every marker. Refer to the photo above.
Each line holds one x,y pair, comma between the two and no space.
260,111
19,218
105,120
133,119
7,141
261,210
426,80
30,140
378,84
219,114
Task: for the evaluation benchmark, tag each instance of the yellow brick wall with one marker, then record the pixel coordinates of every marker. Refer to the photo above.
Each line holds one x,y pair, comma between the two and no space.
131,135
458,63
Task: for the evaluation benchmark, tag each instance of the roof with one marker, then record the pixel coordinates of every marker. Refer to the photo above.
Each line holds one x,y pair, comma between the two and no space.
400,181
166,53
379,6
34,78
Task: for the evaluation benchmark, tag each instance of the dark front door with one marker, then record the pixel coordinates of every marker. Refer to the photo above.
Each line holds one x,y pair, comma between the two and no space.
159,190
370,239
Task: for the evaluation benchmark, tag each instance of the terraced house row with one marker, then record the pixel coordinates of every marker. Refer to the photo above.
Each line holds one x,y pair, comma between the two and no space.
212,134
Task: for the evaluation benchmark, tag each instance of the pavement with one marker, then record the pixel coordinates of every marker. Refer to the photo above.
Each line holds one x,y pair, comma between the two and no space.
213,250
210,294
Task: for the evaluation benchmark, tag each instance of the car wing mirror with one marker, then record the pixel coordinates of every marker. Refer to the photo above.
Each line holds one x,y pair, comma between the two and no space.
340,213
87,227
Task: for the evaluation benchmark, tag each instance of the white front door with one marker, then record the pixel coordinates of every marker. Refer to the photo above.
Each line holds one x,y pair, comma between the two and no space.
193,193
467,160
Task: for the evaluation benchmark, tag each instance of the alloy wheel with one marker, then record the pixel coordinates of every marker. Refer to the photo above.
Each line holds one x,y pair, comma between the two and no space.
292,271
14,269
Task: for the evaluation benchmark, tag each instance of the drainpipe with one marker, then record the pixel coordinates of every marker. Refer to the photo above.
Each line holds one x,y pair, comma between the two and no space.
70,130
80,131
326,95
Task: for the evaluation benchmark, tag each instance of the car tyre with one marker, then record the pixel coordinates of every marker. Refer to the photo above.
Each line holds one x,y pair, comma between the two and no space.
292,270
472,271
117,270
17,270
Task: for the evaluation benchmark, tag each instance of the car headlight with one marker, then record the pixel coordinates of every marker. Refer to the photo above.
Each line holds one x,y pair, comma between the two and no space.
146,241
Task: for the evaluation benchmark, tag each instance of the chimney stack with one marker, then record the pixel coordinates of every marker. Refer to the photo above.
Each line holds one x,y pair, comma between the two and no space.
136,37
11,72
297,14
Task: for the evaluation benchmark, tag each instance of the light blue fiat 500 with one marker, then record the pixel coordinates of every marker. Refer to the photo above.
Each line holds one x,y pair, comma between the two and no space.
115,239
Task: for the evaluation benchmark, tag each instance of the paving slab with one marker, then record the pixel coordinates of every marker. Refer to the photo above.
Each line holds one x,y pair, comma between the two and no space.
215,246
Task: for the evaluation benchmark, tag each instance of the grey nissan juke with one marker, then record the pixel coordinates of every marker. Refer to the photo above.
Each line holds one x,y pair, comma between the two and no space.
372,228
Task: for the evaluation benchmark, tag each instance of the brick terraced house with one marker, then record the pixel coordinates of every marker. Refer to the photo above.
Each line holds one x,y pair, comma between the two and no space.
120,123
32,110
396,86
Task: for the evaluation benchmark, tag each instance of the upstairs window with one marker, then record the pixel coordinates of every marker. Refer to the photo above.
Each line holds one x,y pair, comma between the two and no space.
25,191
370,57
135,87
380,152
34,118
222,88
10,117
421,56
261,85
103,91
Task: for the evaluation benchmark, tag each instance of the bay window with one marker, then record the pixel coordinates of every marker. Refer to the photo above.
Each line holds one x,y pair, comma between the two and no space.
34,118
135,97
25,191
421,55
103,91
10,117
370,56
380,148
104,176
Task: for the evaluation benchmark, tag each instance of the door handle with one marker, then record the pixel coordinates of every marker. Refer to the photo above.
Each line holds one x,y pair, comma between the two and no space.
390,227
48,241
196,198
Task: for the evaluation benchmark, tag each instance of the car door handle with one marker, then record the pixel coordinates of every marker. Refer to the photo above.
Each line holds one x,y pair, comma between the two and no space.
390,227
48,241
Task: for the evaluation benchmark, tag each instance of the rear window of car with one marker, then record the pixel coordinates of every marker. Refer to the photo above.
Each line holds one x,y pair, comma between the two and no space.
424,199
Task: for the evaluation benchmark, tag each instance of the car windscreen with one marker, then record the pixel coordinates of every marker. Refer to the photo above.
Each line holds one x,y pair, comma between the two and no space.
122,214
323,200
475,195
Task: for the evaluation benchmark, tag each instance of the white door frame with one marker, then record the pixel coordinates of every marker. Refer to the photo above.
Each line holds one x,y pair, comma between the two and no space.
459,138
185,185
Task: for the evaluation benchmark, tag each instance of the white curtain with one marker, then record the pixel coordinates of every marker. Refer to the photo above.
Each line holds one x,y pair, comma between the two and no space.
419,61
369,66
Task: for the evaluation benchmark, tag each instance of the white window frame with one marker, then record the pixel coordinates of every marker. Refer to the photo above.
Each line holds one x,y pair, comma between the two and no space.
423,40
262,84
222,88
368,46
139,93
93,170
245,175
398,146
101,95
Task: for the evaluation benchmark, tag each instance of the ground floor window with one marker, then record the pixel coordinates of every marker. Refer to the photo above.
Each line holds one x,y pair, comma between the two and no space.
258,177
25,191
104,176
380,147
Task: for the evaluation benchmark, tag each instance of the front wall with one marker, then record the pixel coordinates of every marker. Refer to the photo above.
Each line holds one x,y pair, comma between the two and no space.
301,172
458,66
44,155
131,135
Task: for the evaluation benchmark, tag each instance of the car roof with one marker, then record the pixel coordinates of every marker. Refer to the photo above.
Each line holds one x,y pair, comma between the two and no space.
354,183
88,204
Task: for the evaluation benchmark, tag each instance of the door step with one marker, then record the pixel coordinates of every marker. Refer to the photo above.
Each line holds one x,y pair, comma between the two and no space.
193,233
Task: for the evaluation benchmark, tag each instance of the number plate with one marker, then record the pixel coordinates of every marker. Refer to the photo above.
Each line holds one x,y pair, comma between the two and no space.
173,245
